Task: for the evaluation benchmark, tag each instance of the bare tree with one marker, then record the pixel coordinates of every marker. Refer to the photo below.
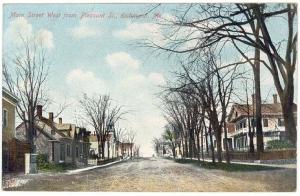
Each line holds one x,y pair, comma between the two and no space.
101,115
224,24
26,78
131,138
156,145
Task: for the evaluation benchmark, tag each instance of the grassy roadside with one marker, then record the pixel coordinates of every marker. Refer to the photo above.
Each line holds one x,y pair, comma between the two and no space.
233,167
51,167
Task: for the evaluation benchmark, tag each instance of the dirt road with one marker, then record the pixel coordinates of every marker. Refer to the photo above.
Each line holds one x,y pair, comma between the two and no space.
161,175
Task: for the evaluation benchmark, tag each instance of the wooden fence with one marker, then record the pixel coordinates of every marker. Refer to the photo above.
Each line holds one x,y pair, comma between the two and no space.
14,155
267,155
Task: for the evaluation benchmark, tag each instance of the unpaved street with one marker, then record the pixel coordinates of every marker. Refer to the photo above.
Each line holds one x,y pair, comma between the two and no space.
162,175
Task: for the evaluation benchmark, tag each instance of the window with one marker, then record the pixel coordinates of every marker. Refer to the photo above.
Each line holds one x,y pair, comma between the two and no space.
77,152
253,122
280,122
62,152
4,118
265,122
68,150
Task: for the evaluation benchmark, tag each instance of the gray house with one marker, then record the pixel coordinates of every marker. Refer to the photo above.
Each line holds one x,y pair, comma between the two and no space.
61,142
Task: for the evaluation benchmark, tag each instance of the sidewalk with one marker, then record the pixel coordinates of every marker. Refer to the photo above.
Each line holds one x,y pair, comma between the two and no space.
76,171
255,162
19,179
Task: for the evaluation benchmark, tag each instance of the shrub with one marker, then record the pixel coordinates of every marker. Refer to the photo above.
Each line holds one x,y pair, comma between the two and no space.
279,144
42,161
44,165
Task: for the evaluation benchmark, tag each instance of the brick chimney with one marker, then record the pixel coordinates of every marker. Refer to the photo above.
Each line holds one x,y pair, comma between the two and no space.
275,98
60,120
39,110
51,116
253,100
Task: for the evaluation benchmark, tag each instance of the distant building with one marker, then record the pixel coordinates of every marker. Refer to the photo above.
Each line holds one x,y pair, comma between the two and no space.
111,149
61,142
272,123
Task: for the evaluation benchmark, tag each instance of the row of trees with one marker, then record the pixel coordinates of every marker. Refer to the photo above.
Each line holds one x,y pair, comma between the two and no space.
217,27
195,107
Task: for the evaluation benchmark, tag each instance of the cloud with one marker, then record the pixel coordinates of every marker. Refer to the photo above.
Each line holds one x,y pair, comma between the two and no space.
81,81
156,78
120,60
133,80
85,31
45,38
135,31
20,28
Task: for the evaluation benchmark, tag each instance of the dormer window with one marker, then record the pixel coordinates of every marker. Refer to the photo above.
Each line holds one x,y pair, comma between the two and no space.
52,132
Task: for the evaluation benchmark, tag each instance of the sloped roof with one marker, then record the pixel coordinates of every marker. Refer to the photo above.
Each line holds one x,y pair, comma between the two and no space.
266,110
9,95
63,126
46,126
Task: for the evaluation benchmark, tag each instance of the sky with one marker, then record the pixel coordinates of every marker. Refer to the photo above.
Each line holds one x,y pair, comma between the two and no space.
92,49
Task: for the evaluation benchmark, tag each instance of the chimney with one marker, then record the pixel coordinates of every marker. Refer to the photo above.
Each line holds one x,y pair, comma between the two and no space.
51,116
253,100
275,98
39,110
60,120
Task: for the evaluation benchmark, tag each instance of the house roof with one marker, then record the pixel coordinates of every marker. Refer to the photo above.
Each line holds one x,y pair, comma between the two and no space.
239,111
47,127
8,95
63,126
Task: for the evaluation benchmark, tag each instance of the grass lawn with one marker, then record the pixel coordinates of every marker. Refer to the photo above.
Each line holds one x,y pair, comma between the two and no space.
226,167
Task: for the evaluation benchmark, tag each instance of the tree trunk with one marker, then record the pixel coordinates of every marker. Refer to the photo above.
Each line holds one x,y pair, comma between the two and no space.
206,141
186,146
211,145
99,149
198,147
191,150
202,152
102,149
219,145
173,151
250,134
250,126
226,145
258,117
108,153
287,100
30,130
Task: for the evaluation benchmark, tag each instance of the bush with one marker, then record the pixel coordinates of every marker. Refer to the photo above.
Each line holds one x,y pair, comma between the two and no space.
42,160
279,144
44,165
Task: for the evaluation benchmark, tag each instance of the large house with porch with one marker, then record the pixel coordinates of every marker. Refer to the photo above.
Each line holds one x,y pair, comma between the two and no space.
60,142
241,115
